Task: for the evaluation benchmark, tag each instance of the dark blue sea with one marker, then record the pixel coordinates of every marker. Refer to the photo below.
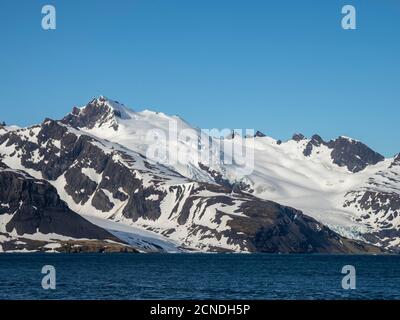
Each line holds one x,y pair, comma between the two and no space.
194,276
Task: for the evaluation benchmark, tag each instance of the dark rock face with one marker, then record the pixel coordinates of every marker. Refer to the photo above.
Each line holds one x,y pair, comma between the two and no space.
97,112
139,206
346,152
298,137
287,230
216,176
316,141
259,134
36,207
352,154
396,162
102,202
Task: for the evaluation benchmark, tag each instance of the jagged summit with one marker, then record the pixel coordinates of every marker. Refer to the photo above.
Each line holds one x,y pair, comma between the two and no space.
100,112
119,109
345,151
351,140
316,139
259,134
353,154
298,137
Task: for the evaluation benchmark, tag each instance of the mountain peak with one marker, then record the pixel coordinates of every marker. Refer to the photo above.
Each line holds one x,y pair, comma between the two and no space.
315,141
353,154
119,109
298,137
346,152
259,134
351,140
100,112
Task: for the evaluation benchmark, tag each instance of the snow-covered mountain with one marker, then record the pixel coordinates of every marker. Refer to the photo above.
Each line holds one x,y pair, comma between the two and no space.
97,158
138,131
324,179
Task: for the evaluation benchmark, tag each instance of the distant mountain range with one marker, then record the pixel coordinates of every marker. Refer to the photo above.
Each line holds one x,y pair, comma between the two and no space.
86,183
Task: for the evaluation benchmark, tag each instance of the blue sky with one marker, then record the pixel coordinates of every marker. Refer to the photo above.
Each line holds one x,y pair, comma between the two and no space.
276,66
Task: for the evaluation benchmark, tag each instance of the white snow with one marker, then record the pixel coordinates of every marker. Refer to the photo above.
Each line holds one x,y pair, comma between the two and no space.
52,246
141,238
91,174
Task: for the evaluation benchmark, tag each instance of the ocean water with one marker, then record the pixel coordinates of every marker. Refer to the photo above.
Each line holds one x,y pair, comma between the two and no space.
198,276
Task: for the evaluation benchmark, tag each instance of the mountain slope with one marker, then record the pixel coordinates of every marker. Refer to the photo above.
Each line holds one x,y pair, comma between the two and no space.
32,217
139,131
109,181
311,180
323,179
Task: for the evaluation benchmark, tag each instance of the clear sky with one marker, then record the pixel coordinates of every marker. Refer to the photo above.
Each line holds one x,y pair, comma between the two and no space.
276,66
